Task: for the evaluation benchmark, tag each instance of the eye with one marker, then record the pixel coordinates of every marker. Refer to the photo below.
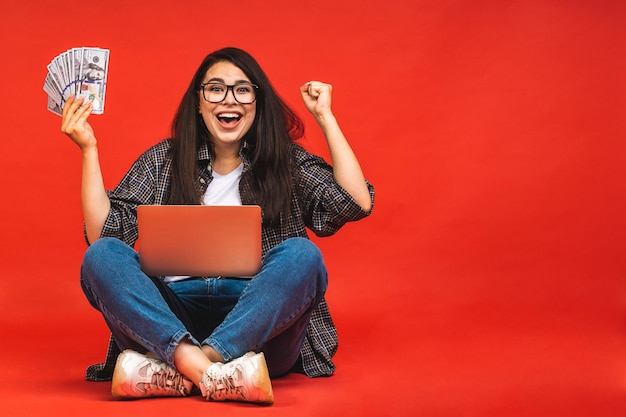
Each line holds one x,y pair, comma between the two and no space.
216,88
244,89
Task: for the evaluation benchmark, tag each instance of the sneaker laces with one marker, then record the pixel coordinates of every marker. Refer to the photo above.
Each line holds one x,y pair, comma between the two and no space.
166,379
222,383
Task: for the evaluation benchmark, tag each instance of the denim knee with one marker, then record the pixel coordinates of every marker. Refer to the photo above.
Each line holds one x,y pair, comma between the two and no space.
99,253
306,255
305,251
302,250
102,258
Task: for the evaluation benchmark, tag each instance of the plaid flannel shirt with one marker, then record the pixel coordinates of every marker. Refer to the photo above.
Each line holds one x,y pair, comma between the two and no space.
318,203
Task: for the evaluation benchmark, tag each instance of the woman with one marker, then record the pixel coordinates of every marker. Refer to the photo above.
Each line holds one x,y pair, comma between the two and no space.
232,143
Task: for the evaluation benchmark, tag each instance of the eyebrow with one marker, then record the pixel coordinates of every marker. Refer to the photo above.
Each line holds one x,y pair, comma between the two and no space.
221,80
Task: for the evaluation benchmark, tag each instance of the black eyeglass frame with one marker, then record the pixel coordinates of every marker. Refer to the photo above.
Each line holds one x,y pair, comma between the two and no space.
228,87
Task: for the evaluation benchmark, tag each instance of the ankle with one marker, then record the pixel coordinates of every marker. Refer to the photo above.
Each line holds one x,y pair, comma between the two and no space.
190,361
212,354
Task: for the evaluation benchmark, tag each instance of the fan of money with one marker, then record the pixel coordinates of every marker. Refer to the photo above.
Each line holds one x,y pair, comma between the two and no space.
78,71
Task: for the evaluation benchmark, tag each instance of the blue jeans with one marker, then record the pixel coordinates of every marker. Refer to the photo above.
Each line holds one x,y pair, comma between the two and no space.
268,313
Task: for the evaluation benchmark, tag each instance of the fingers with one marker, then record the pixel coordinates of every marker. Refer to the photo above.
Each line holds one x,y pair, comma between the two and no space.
71,105
315,88
317,97
74,113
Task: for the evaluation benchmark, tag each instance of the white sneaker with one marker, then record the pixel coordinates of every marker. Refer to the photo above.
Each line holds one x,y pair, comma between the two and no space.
140,376
243,379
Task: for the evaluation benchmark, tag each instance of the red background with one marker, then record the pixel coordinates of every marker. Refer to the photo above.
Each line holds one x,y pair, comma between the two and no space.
490,279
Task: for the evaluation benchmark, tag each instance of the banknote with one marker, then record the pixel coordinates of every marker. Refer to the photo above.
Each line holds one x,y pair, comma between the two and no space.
79,71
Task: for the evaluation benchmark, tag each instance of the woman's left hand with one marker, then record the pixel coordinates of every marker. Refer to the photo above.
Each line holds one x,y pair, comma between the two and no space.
317,97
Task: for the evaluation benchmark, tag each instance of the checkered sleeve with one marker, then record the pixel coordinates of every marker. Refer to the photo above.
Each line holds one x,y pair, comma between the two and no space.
326,205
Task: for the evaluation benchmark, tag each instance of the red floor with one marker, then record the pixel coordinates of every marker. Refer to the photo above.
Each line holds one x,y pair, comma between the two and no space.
407,348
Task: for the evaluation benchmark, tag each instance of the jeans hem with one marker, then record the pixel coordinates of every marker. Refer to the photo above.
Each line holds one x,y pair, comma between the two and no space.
178,337
219,349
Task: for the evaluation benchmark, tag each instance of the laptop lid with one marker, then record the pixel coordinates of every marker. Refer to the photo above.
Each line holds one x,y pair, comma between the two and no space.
199,240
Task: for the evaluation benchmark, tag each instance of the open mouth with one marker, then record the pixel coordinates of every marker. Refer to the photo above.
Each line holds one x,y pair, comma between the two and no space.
228,118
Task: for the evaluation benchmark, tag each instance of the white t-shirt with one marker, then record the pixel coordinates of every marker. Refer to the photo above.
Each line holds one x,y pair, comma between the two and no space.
222,191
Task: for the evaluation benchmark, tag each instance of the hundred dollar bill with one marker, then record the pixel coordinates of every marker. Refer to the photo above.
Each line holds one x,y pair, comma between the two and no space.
54,95
77,59
54,79
54,106
93,75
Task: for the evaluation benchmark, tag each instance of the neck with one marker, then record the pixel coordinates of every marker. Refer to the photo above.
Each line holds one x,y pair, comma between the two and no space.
226,151
224,163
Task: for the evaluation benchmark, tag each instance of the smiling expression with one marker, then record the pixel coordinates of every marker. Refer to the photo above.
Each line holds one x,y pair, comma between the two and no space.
227,121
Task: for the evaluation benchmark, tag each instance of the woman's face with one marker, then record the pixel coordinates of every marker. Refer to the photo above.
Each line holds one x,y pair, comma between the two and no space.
227,121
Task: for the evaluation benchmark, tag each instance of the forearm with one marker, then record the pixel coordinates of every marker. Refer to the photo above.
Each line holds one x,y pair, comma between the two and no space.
94,199
346,167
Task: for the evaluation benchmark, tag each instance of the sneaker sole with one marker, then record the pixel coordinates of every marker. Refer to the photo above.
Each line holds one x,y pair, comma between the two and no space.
119,376
261,380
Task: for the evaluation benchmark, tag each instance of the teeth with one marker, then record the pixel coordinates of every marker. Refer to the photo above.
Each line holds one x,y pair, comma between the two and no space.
229,115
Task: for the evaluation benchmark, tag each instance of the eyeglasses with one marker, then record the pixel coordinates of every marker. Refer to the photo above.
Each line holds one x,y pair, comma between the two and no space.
214,92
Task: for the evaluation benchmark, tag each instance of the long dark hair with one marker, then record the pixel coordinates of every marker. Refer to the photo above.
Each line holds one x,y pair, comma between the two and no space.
268,140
